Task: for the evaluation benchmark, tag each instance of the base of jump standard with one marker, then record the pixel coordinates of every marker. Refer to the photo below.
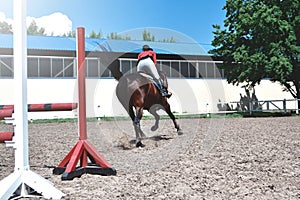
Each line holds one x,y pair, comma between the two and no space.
25,183
83,150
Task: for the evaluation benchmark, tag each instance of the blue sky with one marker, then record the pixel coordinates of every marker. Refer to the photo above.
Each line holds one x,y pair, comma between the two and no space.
193,18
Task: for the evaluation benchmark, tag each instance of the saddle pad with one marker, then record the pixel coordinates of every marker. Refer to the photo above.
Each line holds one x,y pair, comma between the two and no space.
146,75
150,78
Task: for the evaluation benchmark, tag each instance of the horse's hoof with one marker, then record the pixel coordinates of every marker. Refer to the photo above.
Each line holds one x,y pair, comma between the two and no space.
179,132
154,128
139,144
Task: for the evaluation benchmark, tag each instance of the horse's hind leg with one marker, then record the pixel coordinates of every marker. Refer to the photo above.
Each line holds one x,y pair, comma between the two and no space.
168,110
153,110
137,127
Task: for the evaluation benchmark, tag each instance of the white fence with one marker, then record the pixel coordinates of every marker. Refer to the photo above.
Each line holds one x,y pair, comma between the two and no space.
282,105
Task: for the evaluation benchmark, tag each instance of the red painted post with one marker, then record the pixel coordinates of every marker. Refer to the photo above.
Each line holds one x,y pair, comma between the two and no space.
83,149
81,83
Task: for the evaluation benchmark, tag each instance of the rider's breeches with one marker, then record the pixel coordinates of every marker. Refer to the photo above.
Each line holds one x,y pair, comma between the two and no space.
147,66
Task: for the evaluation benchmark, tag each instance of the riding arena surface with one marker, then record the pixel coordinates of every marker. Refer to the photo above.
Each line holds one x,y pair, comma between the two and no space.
215,158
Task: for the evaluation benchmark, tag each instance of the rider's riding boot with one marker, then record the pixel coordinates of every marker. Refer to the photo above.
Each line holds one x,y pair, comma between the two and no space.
163,90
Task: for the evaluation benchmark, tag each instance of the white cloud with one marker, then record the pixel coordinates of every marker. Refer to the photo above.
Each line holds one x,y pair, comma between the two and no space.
3,18
54,24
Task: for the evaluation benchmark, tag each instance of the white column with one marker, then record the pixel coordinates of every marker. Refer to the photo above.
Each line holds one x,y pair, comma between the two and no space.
20,85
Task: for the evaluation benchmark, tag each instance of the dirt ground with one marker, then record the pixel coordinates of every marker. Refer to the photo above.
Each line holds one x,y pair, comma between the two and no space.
232,158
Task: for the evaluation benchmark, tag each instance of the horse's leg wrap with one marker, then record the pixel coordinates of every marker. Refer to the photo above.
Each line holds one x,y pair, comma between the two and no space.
137,126
156,116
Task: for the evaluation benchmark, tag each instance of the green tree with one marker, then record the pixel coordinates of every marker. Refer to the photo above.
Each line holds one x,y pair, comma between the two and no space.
93,34
147,36
168,40
70,34
116,36
33,29
5,28
260,39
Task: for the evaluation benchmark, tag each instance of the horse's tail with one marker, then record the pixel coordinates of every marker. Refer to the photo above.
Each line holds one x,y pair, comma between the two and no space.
123,93
114,67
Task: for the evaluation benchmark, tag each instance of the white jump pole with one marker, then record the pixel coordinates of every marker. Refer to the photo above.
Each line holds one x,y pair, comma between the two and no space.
23,182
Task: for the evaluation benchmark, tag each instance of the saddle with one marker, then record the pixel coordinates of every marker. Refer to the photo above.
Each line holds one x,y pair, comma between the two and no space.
147,76
161,85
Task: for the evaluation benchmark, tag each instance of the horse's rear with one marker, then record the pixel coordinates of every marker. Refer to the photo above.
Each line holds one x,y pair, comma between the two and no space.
137,91
131,90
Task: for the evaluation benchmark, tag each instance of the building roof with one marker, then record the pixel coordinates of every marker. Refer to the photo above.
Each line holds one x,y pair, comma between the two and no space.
103,45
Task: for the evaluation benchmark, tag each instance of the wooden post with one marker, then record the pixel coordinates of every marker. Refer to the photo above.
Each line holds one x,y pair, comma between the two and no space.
284,105
81,83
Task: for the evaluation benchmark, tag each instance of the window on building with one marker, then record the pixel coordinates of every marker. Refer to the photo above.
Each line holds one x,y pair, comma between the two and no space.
32,67
6,67
165,67
93,68
69,69
104,72
185,72
210,70
45,67
65,67
193,70
202,69
175,69
57,67
126,66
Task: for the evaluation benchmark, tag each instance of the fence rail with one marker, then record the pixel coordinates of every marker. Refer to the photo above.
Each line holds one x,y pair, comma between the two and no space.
283,105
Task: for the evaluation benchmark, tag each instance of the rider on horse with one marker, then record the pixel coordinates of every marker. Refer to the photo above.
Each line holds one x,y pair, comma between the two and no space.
146,64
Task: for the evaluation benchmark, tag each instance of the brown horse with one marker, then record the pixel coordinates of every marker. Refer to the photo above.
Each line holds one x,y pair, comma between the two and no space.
138,93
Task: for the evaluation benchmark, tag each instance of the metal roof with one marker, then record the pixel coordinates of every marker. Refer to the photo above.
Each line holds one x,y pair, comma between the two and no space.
103,45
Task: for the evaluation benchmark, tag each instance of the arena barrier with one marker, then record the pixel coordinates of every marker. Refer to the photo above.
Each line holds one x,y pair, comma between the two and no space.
44,107
6,136
7,111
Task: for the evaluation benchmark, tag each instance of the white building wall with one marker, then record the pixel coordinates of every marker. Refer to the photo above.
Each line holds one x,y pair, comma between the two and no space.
190,96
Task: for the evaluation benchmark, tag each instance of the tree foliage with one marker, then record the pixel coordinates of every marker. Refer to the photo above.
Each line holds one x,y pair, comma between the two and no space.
93,34
70,34
33,29
260,39
168,40
5,28
116,36
147,36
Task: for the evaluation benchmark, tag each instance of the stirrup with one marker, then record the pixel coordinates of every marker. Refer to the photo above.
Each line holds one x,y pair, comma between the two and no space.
165,93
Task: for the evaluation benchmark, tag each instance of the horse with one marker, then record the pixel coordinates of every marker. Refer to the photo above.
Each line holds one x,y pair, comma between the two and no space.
137,93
